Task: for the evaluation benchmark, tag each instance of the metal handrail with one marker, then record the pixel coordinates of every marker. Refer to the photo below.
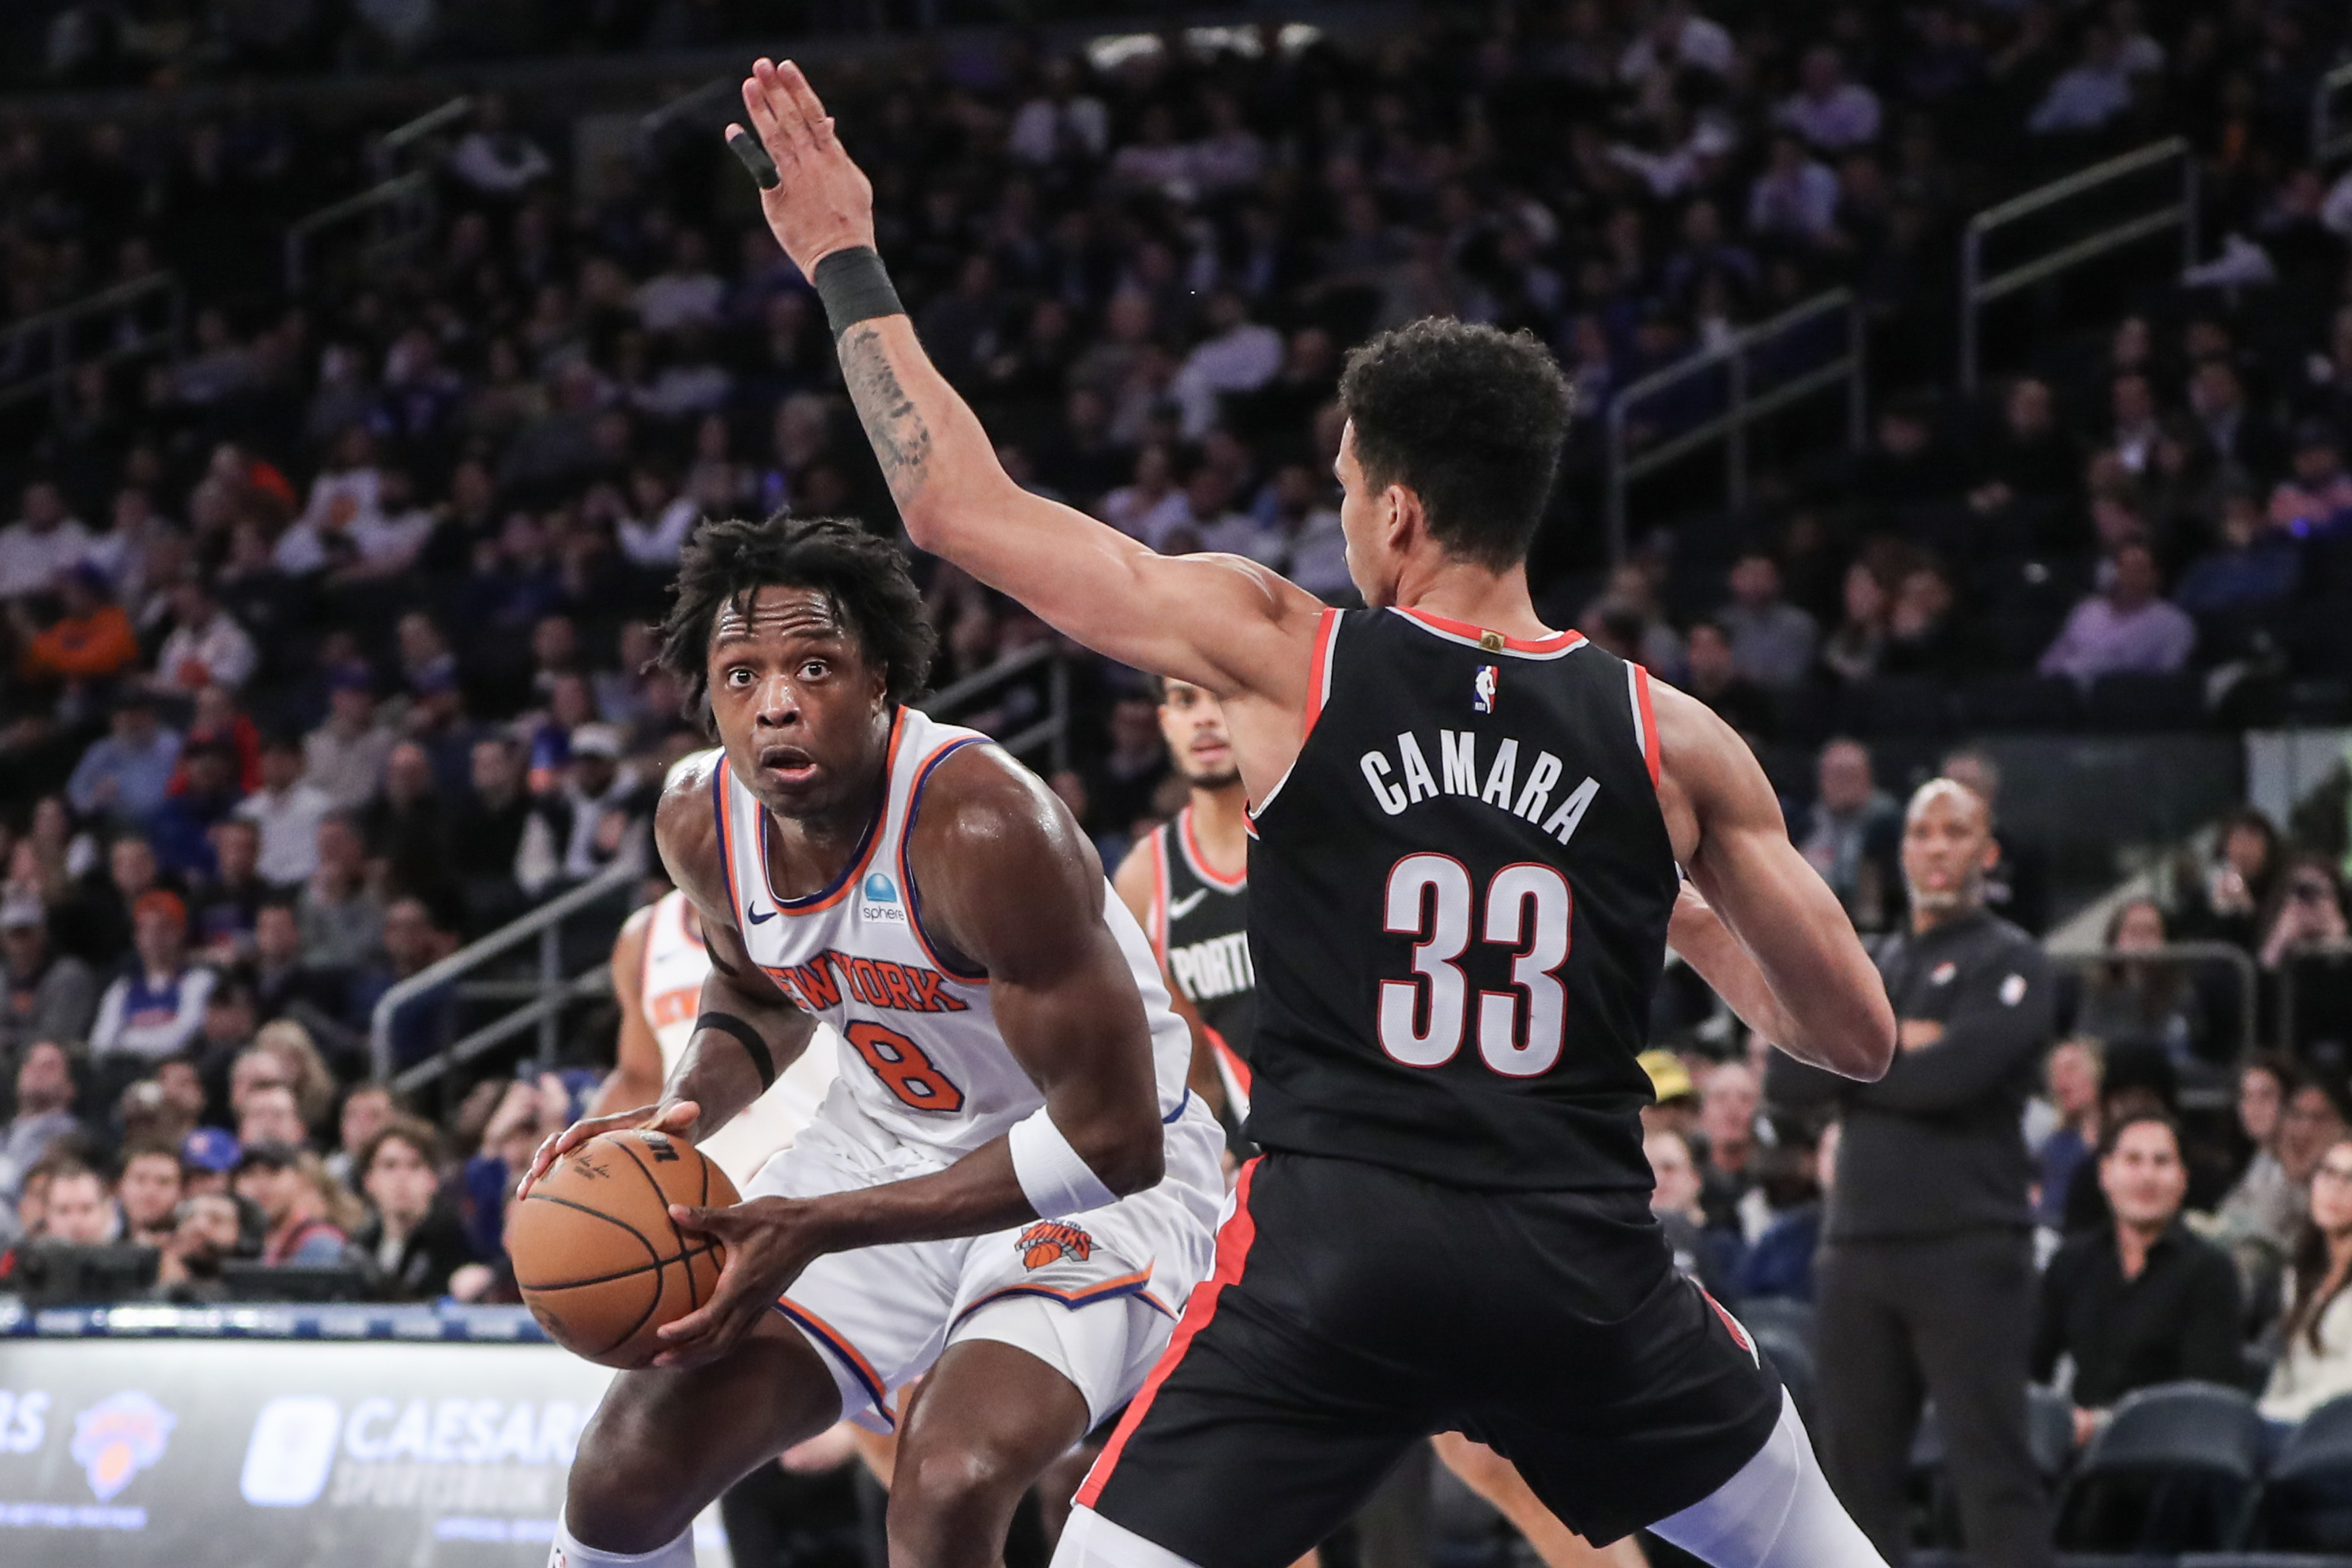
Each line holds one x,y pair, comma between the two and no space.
545,1011
2328,139
59,322
2227,953
396,140
541,922
1977,292
1731,425
653,121
1052,731
412,192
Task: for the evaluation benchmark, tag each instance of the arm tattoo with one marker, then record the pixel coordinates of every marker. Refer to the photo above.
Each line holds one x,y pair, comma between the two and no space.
720,965
901,440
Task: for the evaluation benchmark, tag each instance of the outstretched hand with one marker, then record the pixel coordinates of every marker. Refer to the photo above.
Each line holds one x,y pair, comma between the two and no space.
821,202
677,1119
768,1242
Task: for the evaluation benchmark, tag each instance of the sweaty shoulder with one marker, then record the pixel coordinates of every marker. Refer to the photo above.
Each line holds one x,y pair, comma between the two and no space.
994,852
686,831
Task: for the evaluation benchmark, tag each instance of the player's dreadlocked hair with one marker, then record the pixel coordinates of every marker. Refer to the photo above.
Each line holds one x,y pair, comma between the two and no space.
1469,418
727,562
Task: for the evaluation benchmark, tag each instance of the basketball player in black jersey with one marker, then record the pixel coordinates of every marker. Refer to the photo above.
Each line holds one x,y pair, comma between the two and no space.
1468,829
1187,884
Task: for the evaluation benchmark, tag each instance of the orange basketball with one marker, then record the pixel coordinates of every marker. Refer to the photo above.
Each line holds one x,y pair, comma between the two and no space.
600,1264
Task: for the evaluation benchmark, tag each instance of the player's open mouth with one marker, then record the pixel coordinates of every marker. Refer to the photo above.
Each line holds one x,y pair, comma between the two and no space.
1211,752
788,765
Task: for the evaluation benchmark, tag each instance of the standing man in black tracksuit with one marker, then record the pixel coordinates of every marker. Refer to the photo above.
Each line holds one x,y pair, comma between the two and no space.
1925,1274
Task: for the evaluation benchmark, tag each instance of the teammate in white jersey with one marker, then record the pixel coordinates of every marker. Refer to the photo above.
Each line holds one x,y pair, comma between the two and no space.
1009,1190
659,963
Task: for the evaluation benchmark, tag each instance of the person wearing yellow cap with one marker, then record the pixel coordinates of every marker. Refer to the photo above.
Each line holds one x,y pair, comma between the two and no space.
1676,1109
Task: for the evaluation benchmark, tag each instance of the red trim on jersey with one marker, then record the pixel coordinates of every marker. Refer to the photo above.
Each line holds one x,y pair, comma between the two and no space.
831,1338
1649,723
1200,861
1555,643
1234,1238
1230,1057
1157,930
906,865
1318,672
851,874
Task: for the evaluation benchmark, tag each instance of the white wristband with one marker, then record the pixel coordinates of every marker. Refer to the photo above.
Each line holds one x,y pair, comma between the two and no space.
1053,1178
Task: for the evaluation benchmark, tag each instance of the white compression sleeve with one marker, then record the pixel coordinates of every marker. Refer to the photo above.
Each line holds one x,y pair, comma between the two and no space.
567,1553
1777,1512
1053,1178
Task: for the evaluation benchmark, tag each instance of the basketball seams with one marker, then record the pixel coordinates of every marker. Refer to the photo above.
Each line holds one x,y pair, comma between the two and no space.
693,1293
689,1254
653,1302
653,1254
619,1274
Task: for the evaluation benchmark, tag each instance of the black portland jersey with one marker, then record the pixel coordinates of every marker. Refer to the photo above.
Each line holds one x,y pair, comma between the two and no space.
1200,926
1459,897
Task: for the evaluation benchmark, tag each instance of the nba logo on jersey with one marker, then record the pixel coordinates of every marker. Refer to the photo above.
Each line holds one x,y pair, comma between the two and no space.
880,898
1481,688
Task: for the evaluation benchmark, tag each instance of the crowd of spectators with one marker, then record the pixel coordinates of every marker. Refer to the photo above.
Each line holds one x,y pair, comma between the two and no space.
326,643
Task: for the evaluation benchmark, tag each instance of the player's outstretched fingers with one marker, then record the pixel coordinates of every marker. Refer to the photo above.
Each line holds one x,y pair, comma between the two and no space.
810,108
791,122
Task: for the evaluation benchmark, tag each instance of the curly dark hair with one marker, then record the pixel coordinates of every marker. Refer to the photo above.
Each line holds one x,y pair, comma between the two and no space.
1469,418
730,560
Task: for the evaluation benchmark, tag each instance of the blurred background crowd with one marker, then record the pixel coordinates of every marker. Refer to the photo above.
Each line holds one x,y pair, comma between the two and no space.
324,624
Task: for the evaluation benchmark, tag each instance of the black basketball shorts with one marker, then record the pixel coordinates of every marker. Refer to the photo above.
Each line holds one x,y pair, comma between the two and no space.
1355,1310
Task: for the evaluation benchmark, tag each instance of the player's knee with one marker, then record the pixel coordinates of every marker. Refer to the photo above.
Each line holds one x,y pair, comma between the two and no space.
943,1496
626,1493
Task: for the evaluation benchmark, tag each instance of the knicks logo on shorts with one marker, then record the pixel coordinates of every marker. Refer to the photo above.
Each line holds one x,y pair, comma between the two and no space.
1050,1242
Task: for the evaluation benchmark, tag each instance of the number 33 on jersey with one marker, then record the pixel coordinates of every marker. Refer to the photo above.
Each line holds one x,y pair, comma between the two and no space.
1490,803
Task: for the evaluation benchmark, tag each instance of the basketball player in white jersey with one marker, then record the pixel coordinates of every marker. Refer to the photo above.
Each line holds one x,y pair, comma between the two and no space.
659,965
1010,1190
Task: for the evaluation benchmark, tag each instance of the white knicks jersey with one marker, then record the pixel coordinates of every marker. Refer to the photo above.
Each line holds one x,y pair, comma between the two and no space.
924,1064
669,994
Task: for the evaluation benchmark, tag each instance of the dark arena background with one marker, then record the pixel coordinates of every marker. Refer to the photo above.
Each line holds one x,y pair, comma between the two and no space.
1963,389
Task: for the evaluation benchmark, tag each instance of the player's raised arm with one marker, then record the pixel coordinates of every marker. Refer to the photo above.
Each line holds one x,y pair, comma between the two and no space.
1761,926
1222,623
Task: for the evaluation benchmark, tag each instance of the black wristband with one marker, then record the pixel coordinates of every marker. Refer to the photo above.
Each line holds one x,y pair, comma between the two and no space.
855,287
745,1035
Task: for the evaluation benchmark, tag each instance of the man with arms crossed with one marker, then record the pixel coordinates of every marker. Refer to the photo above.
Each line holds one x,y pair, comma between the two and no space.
1450,1230
1009,1190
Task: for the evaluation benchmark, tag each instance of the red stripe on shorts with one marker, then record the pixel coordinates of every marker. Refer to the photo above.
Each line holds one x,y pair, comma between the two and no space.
1234,1238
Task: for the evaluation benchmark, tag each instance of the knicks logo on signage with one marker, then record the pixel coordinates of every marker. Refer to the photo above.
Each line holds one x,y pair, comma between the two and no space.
117,1437
877,982
1051,1242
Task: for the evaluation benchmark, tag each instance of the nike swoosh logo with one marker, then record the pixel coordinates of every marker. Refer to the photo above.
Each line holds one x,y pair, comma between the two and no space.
1179,908
758,919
